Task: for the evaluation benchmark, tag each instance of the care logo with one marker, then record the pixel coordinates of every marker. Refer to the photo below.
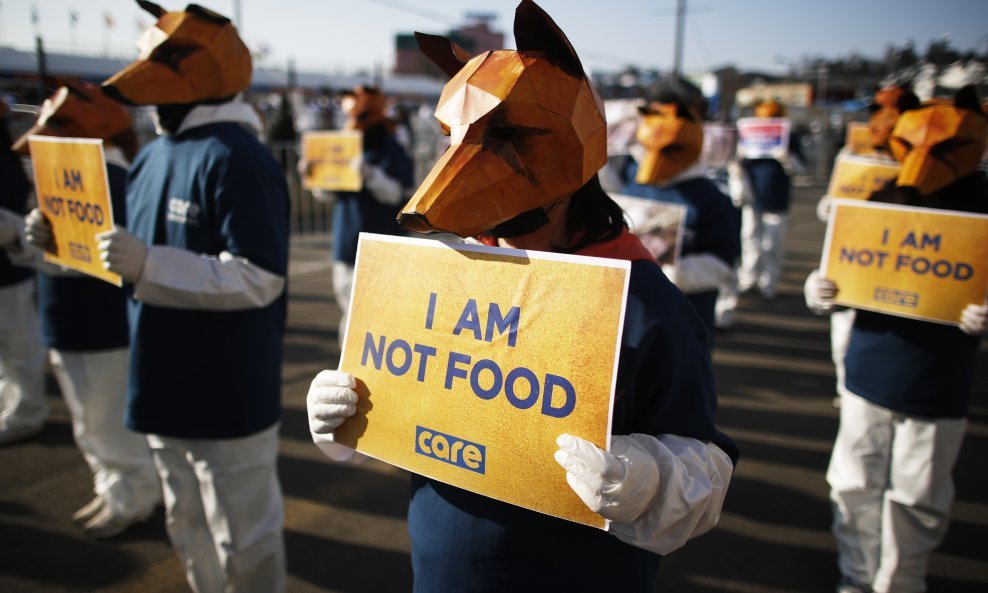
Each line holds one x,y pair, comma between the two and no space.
450,449
183,211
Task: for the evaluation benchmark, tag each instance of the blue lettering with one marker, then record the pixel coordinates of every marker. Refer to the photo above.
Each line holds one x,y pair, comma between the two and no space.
922,242
396,369
489,365
496,321
424,353
452,371
430,311
551,382
533,388
376,354
450,449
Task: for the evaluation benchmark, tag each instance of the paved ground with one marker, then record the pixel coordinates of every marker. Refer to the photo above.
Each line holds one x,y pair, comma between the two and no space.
345,528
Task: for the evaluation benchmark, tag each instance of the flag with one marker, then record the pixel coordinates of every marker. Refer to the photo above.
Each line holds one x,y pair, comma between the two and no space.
34,15
108,20
73,17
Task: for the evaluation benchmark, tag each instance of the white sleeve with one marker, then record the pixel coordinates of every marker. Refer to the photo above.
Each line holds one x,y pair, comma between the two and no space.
738,185
700,272
384,189
181,279
694,480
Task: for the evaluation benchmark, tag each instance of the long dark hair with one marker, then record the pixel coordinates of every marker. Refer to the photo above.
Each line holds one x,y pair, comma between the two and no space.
20,182
593,217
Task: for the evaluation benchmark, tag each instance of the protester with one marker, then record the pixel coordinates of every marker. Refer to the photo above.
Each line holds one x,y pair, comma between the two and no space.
205,253
387,173
23,409
84,326
763,189
665,167
908,383
667,473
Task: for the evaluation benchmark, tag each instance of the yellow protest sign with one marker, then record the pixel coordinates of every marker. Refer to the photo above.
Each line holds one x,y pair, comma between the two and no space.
334,159
921,263
857,177
74,195
858,138
471,360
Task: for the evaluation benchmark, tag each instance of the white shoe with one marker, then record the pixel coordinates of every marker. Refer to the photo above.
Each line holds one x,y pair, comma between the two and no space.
92,508
106,525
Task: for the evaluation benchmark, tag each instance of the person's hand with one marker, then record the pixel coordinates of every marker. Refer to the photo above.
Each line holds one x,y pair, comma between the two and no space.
618,485
8,229
37,229
974,319
331,400
820,292
122,253
823,208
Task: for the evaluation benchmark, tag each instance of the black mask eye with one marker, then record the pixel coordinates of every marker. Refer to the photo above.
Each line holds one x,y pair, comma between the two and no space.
673,149
171,55
903,143
502,133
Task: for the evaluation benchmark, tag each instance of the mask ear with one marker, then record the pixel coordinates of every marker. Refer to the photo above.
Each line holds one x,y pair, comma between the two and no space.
536,31
444,53
155,10
967,98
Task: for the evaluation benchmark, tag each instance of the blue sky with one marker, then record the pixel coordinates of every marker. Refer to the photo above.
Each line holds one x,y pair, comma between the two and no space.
344,35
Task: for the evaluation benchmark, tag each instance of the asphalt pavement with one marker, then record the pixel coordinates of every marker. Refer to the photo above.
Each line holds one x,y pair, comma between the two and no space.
345,525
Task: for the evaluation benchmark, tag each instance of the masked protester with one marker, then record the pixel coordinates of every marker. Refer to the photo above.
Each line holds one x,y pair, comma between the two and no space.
23,409
763,189
84,325
387,181
205,254
664,480
908,383
665,167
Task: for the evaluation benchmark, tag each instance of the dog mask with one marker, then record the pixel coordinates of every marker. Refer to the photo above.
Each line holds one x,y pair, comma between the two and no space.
939,143
77,110
526,129
672,139
770,108
889,104
364,108
189,56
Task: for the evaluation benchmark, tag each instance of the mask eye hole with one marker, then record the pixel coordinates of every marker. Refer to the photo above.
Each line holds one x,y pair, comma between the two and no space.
502,133
673,149
904,144
171,55
943,149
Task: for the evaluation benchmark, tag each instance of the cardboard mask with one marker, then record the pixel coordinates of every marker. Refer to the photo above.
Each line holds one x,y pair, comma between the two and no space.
364,108
672,140
188,56
889,103
526,129
77,110
939,143
770,108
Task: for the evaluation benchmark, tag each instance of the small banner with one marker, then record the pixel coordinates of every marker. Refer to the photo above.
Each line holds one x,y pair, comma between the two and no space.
921,263
74,195
659,225
471,360
857,177
763,137
334,158
719,143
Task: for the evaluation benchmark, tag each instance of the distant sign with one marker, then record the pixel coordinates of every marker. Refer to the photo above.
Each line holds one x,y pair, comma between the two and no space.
858,138
921,263
763,137
659,225
74,195
472,360
857,177
719,144
334,158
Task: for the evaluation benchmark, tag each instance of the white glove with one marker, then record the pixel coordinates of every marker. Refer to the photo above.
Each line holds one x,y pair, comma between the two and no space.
974,319
618,485
37,230
122,253
8,229
331,400
823,208
385,190
819,292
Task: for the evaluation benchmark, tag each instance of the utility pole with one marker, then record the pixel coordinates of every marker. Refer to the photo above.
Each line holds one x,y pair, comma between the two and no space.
677,67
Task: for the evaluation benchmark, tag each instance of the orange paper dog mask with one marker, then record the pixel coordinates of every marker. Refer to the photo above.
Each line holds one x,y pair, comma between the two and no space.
940,142
672,140
77,110
526,129
889,104
188,56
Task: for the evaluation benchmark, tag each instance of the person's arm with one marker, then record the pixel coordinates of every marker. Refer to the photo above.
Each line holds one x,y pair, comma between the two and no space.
820,293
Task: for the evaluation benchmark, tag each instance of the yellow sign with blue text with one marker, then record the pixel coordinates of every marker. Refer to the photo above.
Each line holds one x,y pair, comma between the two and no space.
921,263
333,159
74,195
857,177
471,360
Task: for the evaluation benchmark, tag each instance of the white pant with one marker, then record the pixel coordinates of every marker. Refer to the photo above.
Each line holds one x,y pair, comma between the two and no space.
94,385
22,360
224,510
762,235
841,323
342,287
891,489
